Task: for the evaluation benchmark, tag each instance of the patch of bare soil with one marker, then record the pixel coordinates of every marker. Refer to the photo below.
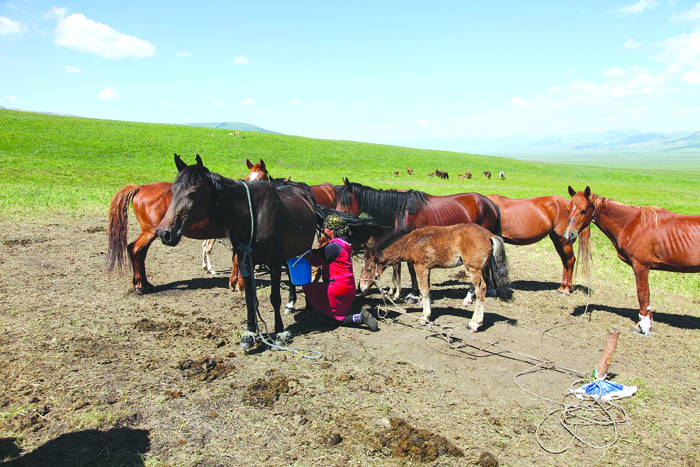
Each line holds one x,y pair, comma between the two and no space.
94,374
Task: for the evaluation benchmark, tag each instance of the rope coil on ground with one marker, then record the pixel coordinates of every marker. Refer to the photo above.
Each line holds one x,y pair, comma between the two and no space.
573,416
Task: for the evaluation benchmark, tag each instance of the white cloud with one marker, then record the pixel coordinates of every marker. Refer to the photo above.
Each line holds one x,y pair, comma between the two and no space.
638,7
182,54
681,50
631,44
425,123
613,73
107,94
8,26
55,13
83,34
691,77
688,15
248,101
520,103
295,102
256,111
72,69
11,99
240,60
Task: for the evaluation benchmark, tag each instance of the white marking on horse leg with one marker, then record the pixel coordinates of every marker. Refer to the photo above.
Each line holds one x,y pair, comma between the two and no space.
468,299
204,256
290,305
478,316
427,311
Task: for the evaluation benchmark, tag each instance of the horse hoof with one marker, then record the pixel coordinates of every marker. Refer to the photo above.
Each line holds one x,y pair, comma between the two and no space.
289,311
143,290
411,300
247,340
467,302
472,327
283,339
424,322
564,293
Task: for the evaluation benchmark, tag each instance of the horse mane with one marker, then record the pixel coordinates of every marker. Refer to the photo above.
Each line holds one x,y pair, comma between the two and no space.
649,215
385,205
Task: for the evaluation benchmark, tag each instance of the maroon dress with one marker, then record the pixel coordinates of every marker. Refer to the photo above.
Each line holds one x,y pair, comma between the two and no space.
333,297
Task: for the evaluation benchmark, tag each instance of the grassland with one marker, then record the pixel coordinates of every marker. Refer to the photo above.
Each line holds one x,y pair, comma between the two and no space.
67,165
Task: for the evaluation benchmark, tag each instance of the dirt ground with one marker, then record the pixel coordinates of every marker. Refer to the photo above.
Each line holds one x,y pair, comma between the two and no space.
93,374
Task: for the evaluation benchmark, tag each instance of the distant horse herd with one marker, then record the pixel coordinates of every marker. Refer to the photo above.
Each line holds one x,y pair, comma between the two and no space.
389,227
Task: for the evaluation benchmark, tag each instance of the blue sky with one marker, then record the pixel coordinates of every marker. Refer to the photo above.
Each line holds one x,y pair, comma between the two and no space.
375,71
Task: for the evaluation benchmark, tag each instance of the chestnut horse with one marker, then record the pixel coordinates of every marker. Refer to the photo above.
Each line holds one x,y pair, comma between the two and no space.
150,202
398,209
266,225
645,237
528,220
433,247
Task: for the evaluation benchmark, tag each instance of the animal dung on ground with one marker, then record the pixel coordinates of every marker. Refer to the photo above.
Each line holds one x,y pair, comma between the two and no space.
265,392
415,444
206,369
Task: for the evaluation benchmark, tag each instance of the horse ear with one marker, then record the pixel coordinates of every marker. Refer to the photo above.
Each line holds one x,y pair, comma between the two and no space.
572,192
179,164
262,164
346,182
200,165
249,164
587,192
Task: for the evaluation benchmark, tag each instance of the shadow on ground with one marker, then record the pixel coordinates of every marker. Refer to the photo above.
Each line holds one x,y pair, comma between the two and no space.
115,447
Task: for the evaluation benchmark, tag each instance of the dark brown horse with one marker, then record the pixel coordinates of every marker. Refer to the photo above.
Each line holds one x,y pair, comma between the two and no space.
399,209
487,174
448,247
645,237
266,225
529,220
150,202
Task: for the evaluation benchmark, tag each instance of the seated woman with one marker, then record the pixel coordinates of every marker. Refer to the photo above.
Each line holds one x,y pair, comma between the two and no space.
334,296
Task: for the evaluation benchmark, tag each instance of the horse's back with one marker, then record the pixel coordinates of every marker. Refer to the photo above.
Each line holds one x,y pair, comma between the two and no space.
457,209
325,194
528,220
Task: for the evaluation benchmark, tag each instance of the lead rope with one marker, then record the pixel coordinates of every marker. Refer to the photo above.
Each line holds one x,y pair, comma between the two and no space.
247,249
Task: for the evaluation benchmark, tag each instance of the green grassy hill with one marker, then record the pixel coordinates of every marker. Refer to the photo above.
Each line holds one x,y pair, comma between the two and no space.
51,163
233,126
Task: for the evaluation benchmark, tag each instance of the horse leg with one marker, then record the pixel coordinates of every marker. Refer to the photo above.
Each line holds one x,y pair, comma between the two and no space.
207,246
282,338
292,298
248,337
413,296
138,249
235,282
641,274
396,281
423,273
480,285
566,254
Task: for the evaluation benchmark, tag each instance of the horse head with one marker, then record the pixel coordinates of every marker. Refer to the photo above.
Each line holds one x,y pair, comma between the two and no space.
257,171
371,268
192,198
581,213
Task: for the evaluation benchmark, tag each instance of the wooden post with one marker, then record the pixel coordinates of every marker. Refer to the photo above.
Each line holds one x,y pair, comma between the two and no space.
608,352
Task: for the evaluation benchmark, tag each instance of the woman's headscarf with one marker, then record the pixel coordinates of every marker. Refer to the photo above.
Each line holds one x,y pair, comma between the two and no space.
336,223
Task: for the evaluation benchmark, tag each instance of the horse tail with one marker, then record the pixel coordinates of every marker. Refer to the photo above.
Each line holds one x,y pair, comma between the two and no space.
499,270
119,226
584,254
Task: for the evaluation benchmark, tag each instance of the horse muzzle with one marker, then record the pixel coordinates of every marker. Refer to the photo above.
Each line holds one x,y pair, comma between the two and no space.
169,236
569,237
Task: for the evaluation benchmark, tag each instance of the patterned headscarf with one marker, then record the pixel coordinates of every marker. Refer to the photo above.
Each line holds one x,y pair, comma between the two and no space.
335,222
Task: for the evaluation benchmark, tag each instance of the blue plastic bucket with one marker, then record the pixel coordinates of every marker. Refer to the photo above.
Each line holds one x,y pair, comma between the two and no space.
299,271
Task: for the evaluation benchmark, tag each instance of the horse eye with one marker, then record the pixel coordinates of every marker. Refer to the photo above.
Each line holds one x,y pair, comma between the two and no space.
584,211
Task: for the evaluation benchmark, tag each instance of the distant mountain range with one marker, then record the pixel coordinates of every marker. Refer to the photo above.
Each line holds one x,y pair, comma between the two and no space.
233,126
609,141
